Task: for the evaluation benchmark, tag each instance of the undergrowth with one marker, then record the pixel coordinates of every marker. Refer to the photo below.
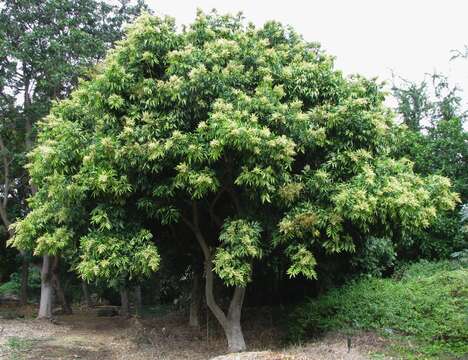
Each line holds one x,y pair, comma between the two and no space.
19,347
424,308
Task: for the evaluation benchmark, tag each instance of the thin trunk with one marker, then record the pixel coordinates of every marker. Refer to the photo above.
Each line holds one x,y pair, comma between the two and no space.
138,300
66,308
230,322
195,299
61,296
28,147
87,298
6,222
45,306
124,303
209,294
24,279
157,290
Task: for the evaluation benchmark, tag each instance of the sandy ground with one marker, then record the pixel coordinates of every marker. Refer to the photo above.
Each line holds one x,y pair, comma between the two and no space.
86,336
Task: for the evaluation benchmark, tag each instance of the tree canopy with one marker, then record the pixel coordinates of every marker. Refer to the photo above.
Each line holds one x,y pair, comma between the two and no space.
44,47
246,137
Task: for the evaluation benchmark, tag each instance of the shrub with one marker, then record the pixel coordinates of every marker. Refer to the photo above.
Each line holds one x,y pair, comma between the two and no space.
13,286
427,302
375,257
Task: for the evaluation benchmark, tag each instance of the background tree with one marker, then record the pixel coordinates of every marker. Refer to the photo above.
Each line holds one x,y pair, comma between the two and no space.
437,141
248,139
45,46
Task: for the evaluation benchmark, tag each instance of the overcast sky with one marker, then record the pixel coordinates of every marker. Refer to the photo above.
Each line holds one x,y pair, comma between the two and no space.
370,37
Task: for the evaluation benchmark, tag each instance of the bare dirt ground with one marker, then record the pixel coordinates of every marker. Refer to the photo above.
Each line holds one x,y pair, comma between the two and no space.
86,336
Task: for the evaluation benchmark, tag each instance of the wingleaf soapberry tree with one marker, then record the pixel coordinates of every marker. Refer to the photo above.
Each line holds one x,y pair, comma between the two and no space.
246,137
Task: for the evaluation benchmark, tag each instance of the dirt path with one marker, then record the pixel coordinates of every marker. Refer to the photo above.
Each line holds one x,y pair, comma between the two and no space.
33,339
86,336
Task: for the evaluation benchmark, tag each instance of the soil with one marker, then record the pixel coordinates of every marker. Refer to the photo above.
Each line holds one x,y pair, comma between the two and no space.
84,335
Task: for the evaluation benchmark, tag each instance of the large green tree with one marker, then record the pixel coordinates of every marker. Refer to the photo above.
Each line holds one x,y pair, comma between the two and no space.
44,47
247,138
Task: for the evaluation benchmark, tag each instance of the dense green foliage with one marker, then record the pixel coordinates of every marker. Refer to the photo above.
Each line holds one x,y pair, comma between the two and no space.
436,140
221,144
425,301
375,257
245,140
44,47
13,285
172,122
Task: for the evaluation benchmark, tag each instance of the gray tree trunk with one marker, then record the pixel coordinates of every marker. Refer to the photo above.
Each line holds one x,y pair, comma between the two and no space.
87,298
195,299
230,322
233,328
235,337
24,279
138,300
66,308
45,306
124,303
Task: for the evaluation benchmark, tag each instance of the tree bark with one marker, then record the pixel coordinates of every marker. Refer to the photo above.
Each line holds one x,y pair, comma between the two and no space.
124,303
45,306
230,322
234,334
28,147
6,222
24,279
87,298
138,300
195,299
66,308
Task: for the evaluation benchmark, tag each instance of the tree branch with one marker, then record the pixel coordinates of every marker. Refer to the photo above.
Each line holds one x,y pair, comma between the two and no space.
210,300
211,209
236,303
235,199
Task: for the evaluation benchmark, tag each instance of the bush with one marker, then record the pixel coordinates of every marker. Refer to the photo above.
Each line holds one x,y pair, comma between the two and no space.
446,235
375,257
427,302
13,286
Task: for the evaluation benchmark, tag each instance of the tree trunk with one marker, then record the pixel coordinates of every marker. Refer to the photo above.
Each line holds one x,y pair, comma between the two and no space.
157,290
24,279
61,296
124,303
45,307
28,147
66,308
195,299
6,222
138,300
230,323
87,298
233,330
235,337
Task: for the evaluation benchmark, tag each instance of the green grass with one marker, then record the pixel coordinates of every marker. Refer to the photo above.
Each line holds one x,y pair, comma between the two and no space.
423,309
19,347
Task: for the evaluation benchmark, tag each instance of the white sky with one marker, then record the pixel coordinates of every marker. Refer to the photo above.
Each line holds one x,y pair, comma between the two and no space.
370,37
